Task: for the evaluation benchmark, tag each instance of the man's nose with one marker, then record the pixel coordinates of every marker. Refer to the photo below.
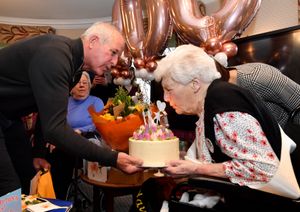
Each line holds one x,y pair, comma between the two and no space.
114,60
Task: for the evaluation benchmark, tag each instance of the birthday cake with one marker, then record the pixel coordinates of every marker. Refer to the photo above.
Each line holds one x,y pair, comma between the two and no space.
154,144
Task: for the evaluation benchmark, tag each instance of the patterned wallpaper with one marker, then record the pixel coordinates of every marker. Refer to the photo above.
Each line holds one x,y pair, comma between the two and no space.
12,33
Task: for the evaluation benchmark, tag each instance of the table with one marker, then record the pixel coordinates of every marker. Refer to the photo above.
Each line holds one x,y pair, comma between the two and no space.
119,186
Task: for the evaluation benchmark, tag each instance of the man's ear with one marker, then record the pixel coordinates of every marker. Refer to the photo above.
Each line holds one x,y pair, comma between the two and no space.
196,85
93,40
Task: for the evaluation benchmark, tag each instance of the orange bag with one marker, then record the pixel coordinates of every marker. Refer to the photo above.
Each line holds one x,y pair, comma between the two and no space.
42,185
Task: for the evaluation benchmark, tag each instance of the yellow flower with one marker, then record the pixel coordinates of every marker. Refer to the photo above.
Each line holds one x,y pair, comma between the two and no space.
139,107
108,116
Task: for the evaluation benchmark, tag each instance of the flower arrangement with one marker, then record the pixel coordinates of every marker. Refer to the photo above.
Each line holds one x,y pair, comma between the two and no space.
123,105
121,116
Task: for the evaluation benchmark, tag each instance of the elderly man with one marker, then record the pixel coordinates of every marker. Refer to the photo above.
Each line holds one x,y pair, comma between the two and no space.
37,74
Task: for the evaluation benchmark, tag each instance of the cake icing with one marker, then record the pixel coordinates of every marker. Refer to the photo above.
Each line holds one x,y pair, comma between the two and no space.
154,144
153,132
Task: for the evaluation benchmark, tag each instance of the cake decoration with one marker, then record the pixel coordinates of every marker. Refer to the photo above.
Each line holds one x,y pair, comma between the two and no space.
152,129
153,142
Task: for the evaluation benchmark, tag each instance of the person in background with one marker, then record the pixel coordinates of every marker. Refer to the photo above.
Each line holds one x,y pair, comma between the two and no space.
103,87
37,74
279,93
237,138
79,102
63,163
133,87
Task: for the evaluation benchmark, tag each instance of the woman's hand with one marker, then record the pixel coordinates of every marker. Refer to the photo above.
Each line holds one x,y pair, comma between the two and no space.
181,168
194,167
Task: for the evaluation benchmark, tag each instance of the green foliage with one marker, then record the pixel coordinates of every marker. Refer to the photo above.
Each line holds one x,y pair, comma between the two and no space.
122,97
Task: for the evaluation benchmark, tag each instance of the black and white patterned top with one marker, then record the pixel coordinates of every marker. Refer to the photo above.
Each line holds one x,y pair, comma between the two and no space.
279,93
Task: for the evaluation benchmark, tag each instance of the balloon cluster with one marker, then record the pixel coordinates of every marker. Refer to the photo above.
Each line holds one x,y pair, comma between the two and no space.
143,45
145,67
215,32
122,72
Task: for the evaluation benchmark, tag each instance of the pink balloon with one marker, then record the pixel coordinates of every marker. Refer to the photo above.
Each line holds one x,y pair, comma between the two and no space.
230,49
159,26
230,21
132,22
115,72
125,73
213,46
151,66
116,15
117,21
234,16
139,63
189,23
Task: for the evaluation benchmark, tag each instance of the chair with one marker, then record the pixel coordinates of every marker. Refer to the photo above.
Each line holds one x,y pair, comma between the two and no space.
75,192
235,197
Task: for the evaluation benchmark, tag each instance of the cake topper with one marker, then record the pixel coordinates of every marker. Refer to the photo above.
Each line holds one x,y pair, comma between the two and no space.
160,117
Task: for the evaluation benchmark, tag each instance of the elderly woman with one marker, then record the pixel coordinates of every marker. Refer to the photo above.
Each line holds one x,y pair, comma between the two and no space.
236,137
79,101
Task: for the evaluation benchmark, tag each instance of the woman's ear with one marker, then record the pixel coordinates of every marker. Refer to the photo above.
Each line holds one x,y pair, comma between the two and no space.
196,85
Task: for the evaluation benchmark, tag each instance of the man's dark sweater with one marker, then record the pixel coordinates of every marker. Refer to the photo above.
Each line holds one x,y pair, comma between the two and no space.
36,75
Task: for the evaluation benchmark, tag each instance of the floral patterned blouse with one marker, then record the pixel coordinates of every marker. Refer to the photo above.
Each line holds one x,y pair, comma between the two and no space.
240,136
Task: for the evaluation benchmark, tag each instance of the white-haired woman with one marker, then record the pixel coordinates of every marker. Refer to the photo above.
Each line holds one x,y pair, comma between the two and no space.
79,102
236,136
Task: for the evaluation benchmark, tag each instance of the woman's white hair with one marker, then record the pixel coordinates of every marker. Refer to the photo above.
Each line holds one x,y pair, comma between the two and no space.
186,63
86,74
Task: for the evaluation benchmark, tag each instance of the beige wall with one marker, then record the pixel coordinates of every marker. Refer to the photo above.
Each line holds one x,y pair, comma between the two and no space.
72,33
272,15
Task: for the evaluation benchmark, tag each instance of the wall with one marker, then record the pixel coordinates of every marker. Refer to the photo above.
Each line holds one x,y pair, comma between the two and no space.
272,15
72,33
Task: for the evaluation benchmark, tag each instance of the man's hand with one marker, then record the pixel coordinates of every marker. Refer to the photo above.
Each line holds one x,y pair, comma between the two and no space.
129,164
78,131
99,80
40,163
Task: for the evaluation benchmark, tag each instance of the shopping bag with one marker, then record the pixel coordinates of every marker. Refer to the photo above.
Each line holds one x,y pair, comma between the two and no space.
42,185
